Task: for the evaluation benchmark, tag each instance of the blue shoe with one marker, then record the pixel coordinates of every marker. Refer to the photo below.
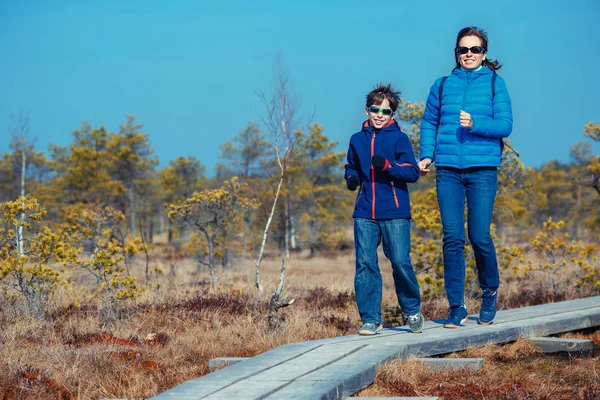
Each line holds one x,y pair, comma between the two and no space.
458,315
488,307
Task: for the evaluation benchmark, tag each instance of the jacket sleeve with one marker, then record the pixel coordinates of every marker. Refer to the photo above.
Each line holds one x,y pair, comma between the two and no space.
500,126
429,123
404,168
351,168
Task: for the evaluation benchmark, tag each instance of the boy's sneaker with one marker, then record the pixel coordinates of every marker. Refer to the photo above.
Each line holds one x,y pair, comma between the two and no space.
369,329
458,315
488,307
416,322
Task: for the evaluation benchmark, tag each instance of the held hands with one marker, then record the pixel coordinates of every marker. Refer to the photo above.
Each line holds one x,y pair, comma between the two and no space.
352,183
465,120
424,166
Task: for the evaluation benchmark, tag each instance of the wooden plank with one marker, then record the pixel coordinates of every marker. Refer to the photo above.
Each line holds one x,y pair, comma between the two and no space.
205,385
437,364
547,309
344,377
448,342
553,324
510,316
274,380
222,362
575,347
443,341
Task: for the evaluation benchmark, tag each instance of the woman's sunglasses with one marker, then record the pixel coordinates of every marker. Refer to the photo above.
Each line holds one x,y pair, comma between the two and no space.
377,110
474,50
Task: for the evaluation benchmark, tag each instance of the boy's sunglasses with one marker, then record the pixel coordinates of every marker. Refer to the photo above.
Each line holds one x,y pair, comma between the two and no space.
377,110
474,50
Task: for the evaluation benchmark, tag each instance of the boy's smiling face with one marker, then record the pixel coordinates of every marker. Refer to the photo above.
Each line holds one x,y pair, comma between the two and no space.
377,114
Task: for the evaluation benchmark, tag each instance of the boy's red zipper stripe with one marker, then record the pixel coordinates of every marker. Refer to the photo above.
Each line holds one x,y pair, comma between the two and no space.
395,197
373,177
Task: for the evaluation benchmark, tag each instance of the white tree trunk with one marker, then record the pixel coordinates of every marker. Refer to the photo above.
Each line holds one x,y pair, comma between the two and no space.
132,210
287,229
20,248
264,238
292,227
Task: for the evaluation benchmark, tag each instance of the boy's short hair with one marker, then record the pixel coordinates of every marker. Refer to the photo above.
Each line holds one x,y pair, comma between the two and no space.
381,92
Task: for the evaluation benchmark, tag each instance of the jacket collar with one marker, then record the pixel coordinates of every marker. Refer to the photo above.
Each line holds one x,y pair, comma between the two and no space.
392,126
461,73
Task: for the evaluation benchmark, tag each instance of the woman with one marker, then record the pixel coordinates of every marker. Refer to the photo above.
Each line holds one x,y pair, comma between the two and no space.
466,116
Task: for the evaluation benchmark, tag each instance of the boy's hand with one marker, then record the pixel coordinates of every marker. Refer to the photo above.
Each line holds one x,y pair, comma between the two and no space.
424,165
352,183
379,162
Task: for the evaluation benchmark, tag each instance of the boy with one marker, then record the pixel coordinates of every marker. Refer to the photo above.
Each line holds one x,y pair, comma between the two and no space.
381,162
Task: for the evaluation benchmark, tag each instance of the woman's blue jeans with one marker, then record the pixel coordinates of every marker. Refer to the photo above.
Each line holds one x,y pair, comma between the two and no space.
394,234
478,185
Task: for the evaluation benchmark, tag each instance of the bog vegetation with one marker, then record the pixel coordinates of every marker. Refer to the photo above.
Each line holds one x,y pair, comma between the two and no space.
112,268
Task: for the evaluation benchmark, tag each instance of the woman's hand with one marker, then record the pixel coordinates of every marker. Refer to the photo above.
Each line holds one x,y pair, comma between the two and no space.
424,166
465,120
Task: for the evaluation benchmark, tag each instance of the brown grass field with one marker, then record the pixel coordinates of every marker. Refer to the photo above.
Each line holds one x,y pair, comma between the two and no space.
169,334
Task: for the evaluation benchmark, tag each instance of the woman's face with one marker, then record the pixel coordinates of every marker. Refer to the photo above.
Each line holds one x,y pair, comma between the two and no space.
470,60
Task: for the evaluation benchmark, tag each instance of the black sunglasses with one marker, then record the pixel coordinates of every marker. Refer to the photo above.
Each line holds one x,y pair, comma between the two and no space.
377,110
474,50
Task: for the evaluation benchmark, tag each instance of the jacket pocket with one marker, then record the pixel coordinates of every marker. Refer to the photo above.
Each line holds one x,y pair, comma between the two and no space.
395,197
360,192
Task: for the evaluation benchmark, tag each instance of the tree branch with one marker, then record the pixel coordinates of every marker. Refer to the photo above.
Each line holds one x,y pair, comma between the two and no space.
275,304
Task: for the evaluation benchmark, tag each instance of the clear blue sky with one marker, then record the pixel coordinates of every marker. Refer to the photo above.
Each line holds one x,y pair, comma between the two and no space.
189,70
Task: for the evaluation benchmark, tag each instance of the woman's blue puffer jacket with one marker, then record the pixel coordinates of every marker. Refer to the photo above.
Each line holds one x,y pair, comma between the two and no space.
458,147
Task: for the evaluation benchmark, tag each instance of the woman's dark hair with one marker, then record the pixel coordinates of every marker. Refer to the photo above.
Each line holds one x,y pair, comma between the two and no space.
494,65
382,92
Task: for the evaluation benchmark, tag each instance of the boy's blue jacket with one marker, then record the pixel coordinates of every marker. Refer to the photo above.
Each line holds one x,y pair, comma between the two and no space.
458,147
382,194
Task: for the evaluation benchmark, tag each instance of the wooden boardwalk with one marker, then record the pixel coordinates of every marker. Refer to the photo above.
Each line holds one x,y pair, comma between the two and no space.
338,367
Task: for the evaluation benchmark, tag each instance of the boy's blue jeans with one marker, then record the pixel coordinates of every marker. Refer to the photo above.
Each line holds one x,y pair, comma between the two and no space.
395,236
478,185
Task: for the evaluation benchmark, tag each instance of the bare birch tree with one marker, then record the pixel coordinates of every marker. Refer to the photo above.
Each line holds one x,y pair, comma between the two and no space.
280,120
21,145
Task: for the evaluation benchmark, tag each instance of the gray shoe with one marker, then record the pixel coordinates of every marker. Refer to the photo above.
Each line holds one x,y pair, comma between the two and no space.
416,322
369,329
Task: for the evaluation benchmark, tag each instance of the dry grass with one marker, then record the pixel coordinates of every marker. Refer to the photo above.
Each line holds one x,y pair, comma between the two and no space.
169,334
511,371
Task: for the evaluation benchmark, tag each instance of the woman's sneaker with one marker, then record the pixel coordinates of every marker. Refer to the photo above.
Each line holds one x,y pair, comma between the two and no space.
416,322
458,315
488,307
369,329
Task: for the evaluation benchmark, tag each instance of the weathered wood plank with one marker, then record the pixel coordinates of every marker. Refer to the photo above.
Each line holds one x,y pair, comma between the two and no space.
268,381
205,385
521,314
576,347
222,362
448,342
547,309
436,364
344,377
